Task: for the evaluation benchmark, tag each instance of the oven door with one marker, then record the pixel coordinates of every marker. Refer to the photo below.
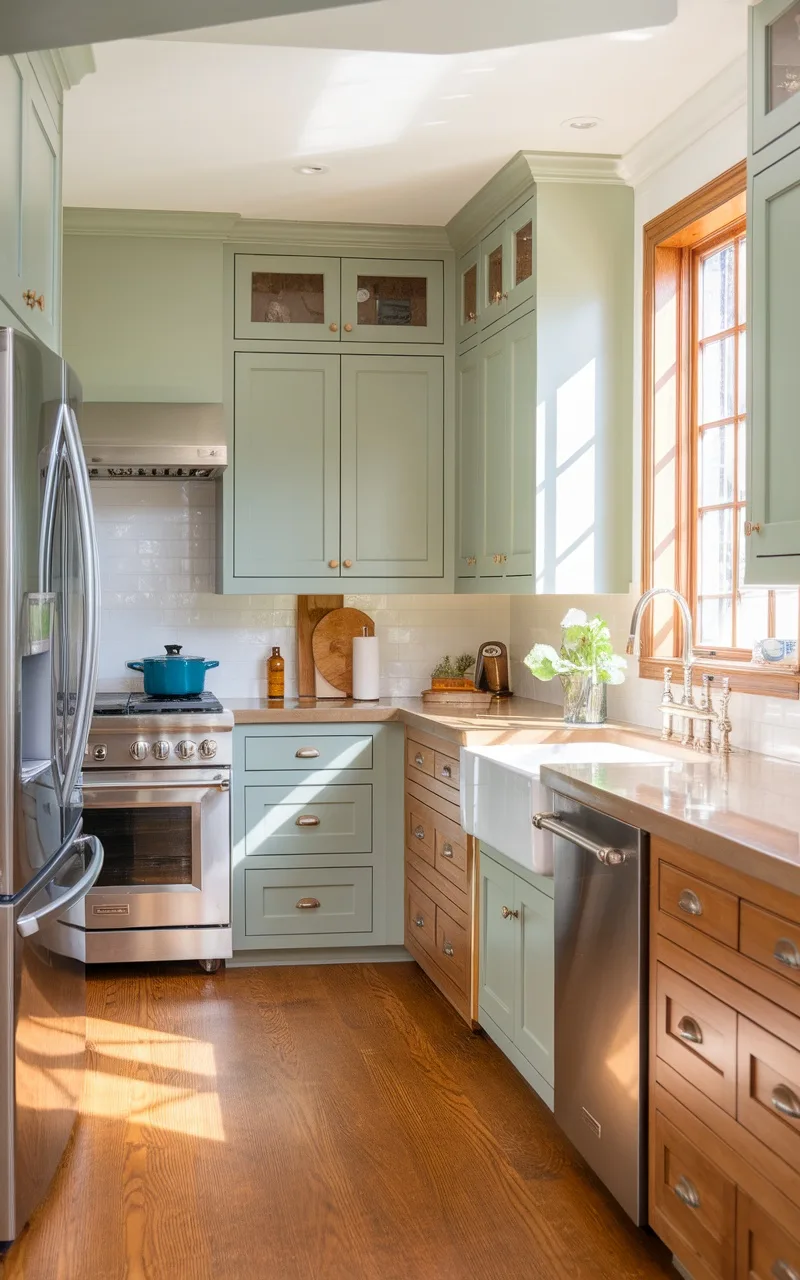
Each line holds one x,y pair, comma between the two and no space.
166,836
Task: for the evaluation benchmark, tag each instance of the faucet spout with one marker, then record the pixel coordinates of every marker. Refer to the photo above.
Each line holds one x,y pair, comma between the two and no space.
686,614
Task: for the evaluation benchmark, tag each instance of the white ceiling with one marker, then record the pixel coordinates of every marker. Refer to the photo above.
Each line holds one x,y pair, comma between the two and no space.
408,137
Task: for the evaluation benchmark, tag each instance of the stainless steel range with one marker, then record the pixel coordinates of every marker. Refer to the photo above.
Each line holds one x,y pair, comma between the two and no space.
157,776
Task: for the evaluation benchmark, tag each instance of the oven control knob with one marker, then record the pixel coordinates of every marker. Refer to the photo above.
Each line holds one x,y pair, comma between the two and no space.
185,750
161,749
140,750
208,748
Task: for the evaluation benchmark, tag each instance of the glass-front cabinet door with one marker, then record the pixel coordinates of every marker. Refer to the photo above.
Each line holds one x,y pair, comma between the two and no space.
390,300
519,253
775,78
468,294
277,297
494,277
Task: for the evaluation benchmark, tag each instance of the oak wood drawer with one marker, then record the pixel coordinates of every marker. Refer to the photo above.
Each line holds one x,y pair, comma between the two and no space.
308,901
420,759
420,916
447,769
696,1035
764,1251
694,1205
302,819
769,1090
452,948
771,940
456,901
706,908
307,752
421,831
451,859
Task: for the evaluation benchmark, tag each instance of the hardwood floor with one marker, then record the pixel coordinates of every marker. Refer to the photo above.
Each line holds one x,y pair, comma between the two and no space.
325,1123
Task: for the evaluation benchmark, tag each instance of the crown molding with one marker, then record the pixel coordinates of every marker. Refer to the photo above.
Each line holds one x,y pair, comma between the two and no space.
518,179
74,64
232,228
707,108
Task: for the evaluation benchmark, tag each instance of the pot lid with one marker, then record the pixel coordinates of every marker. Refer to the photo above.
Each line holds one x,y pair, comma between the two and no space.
174,651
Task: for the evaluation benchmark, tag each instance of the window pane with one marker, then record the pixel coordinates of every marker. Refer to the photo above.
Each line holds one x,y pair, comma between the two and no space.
717,286
715,622
742,477
716,466
742,281
716,552
786,608
752,618
742,405
715,395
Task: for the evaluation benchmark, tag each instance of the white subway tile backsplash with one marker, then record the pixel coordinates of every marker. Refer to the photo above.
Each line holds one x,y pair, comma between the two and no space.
157,547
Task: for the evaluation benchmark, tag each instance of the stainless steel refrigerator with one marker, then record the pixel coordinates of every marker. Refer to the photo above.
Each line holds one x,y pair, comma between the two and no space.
49,631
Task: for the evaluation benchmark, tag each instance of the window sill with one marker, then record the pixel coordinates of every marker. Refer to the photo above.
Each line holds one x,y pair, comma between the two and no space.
745,677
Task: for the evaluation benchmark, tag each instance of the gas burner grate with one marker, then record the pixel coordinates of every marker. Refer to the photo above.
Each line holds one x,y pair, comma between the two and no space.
137,704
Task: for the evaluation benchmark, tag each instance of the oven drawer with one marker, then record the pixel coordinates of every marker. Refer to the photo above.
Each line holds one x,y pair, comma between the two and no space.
308,819
310,901
307,752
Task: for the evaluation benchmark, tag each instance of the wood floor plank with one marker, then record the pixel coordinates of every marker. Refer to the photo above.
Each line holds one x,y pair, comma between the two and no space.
313,1123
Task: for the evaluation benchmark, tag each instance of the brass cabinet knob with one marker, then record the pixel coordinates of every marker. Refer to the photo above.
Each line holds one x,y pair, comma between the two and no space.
471,315
31,299
505,296
308,904
419,921
419,832
496,296
447,851
348,564
348,328
508,914
419,759
471,560
334,328
333,564
750,528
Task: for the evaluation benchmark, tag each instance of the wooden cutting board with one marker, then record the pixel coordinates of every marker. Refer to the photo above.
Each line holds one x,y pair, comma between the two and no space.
310,611
332,645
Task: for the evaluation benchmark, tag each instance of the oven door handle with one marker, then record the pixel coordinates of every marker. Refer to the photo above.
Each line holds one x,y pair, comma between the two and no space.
217,784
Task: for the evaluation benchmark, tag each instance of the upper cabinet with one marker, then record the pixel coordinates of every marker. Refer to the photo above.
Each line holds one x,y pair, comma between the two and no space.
332,299
544,293
775,70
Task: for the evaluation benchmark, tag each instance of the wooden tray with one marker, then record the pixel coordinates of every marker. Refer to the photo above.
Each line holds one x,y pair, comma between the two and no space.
332,646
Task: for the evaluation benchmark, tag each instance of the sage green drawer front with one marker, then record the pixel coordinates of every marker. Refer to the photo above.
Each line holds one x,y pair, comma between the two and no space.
312,901
305,752
308,819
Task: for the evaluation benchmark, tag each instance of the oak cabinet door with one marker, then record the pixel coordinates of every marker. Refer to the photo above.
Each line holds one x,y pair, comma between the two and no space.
386,300
498,945
773,549
286,458
286,297
470,464
535,984
774,70
392,508
40,220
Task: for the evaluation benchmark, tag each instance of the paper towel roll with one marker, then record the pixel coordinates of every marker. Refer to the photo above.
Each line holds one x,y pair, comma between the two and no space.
366,669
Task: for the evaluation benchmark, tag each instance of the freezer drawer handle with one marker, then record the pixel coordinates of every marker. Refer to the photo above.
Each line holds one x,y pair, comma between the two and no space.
781,1270
308,904
687,1192
306,753
29,924
689,902
689,1030
550,822
786,953
307,820
786,1101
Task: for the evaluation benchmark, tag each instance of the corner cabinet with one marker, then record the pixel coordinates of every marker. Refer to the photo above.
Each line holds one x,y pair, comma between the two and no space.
341,456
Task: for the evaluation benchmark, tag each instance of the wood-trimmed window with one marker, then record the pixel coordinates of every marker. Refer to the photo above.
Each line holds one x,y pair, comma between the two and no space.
694,463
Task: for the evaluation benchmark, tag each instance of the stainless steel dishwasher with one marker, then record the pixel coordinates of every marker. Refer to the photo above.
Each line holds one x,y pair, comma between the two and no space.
601,881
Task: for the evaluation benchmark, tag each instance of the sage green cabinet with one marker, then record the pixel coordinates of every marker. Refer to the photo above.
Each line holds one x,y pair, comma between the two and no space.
286,297
392,301
517,969
774,95
469,464
469,276
392,508
12,107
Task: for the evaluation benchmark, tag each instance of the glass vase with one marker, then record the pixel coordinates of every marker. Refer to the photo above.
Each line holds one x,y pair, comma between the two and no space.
584,700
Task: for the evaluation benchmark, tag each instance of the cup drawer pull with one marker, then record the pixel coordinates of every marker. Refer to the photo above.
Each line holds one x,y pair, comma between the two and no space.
687,1193
419,921
786,953
782,1270
786,1101
307,820
448,949
419,832
419,759
447,772
306,753
689,902
447,851
689,1030
308,904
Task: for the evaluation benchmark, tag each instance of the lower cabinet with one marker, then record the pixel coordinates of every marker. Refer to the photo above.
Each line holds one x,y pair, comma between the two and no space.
516,970
317,846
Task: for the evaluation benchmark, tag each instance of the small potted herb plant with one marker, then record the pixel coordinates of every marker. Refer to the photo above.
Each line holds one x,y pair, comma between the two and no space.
450,673
586,664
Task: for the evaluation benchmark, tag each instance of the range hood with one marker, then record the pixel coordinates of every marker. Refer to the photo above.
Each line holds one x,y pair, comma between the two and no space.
146,441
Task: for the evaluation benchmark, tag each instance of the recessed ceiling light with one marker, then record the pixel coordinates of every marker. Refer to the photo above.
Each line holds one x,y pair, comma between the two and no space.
581,122
311,170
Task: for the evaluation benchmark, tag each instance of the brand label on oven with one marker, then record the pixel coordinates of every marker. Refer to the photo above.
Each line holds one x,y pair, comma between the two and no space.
112,909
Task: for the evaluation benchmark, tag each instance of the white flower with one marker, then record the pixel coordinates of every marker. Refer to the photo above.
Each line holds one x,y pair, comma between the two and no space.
574,618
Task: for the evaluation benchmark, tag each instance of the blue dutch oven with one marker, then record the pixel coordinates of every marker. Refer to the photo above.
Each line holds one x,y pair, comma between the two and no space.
171,675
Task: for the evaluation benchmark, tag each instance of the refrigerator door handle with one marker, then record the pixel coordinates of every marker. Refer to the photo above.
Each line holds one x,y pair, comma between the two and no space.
49,505
91,604
29,924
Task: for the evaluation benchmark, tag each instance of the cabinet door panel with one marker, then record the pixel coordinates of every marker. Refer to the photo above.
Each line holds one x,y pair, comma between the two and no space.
469,293
496,450
41,213
520,255
392,522
493,277
470,465
521,340
386,300
11,109
498,945
535,986
773,553
775,70
286,297
286,480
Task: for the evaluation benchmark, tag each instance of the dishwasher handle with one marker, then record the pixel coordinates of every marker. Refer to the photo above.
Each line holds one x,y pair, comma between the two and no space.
551,822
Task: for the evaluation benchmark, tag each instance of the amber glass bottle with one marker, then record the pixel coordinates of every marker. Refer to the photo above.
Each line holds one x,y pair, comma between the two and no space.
275,669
